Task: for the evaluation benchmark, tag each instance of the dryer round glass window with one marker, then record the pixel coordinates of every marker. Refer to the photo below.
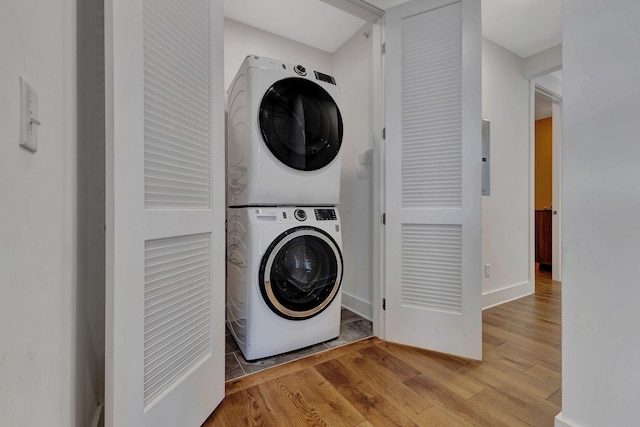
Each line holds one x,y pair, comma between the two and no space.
301,124
300,273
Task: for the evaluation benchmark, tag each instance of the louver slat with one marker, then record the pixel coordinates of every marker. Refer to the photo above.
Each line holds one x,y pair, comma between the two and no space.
431,111
177,106
177,309
432,267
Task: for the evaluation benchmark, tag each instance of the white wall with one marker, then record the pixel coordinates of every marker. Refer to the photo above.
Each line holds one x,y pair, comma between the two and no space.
505,213
353,70
39,348
241,40
601,202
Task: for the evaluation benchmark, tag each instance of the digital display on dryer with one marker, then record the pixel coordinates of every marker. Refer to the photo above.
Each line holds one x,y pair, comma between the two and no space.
325,77
325,215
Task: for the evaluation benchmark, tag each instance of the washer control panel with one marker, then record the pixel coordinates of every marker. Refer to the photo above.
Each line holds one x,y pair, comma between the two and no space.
325,214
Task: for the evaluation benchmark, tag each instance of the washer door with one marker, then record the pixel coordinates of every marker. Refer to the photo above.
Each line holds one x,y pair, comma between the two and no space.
301,124
301,273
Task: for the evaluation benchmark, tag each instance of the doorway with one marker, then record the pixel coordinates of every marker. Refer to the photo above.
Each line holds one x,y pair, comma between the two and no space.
547,139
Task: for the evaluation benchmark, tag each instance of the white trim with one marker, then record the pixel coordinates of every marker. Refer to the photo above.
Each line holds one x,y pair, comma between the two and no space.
556,228
359,8
532,182
561,421
357,305
378,199
506,294
541,63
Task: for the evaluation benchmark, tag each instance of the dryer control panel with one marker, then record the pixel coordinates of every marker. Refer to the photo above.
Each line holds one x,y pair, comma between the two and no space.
325,214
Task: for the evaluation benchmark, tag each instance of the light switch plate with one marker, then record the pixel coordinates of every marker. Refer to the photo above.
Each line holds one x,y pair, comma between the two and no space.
28,117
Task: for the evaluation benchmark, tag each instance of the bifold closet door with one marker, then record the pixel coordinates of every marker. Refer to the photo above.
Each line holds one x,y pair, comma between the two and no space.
433,176
165,211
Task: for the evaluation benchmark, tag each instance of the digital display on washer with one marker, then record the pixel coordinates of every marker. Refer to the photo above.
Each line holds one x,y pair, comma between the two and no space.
325,215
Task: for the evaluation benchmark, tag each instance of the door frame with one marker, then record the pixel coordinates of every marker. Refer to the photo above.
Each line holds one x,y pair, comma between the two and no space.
538,85
378,180
375,16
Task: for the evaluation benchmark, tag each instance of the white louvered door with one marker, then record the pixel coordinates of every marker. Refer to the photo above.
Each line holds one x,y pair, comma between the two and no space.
165,212
433,280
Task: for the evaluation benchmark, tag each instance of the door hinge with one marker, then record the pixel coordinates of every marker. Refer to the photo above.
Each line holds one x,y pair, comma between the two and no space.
384,133
384,218
383,48
384,303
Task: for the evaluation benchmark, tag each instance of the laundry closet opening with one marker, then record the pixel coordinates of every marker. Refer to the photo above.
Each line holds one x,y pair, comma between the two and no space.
351,65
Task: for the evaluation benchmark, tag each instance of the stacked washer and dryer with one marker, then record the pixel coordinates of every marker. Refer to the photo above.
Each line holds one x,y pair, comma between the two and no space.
284,255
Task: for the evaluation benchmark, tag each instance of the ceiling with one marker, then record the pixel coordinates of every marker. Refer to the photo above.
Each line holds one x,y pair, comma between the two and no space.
524,27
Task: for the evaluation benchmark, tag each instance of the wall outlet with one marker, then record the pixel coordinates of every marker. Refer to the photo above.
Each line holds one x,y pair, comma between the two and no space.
487,270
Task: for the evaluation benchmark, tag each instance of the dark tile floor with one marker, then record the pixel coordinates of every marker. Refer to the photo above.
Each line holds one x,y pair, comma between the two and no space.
353,327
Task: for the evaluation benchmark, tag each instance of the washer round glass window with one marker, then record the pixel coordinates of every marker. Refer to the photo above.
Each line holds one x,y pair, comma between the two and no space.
301,124
301,273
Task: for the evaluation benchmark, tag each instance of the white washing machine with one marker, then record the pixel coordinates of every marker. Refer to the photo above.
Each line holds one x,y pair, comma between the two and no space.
284,132
284,271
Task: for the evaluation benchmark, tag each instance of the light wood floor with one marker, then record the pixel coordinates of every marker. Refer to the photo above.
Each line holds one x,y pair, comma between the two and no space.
375,383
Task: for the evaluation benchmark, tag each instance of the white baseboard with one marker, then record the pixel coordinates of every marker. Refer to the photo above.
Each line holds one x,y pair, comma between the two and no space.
506,294
560,421
357,305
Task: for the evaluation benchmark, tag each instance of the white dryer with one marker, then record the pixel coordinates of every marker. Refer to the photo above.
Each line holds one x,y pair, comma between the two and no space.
284,271
284,132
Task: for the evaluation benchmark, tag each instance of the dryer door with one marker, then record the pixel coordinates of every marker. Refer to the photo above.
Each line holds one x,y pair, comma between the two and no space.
300,273
301,124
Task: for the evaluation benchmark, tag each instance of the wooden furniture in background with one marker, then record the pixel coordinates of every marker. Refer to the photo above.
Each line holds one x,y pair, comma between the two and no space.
543,239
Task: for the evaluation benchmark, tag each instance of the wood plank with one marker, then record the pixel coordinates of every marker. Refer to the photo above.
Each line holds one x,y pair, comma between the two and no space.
322,403
437,416
515,361
550,358
389,361
244,408
533,410
530,322
499,376
362,395
441,368
549,336
460,407
556,399
387,383
543,373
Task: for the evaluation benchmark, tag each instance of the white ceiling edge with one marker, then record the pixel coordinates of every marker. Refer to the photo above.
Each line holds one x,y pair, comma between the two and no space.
524,27
358,8
310,22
